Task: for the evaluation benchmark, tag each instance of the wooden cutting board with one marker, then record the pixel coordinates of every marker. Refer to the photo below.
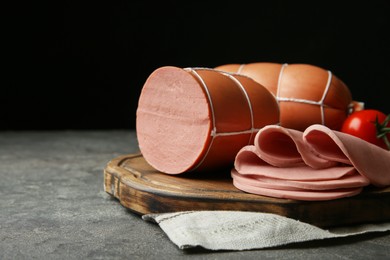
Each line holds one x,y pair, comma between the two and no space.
142,189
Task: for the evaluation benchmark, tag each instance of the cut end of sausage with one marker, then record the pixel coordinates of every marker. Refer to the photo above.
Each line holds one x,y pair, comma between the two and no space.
173,120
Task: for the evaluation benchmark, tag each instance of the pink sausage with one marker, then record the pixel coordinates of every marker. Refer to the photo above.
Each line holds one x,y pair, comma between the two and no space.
198,118
308,195
282,164
306,94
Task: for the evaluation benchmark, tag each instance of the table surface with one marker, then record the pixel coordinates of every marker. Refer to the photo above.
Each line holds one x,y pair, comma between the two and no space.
53,206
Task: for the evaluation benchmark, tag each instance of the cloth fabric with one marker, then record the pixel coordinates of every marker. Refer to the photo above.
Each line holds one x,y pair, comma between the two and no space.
240,230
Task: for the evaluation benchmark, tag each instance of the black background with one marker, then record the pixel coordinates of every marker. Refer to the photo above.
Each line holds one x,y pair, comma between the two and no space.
81,65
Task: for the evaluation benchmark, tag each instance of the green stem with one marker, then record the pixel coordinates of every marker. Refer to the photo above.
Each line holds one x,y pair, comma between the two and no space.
386,142
382,130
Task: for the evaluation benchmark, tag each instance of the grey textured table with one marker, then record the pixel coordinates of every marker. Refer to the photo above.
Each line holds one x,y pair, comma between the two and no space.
53,206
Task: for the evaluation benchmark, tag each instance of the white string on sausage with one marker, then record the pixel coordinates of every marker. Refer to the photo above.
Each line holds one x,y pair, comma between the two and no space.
305,101
214,132
213,127
238,83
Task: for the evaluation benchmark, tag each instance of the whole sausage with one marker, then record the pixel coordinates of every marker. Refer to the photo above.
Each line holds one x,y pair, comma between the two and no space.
306,94
199,118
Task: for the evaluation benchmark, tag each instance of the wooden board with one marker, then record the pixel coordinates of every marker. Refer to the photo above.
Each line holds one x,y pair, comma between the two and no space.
144,190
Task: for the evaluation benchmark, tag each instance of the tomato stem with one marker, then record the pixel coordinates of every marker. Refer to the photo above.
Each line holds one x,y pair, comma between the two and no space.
382,130
386,142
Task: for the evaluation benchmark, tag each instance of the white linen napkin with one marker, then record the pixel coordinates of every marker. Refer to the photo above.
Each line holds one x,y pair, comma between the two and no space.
240,230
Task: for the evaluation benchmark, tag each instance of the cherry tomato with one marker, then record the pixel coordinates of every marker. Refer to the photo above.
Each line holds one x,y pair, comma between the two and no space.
363,125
